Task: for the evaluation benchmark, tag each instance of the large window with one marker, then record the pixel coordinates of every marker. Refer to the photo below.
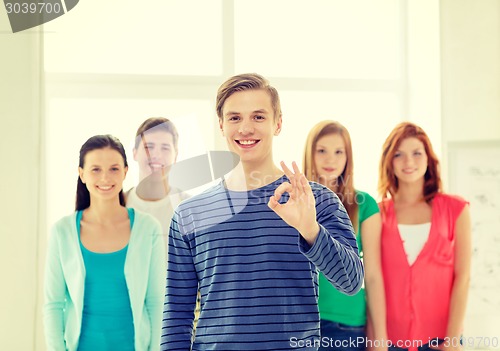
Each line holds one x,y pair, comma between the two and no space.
319,39
155,37
348,61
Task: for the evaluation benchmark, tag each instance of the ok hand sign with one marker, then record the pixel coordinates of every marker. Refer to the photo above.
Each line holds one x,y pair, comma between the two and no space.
300,209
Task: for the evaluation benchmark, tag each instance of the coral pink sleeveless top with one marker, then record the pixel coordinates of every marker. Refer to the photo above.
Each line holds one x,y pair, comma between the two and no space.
418,296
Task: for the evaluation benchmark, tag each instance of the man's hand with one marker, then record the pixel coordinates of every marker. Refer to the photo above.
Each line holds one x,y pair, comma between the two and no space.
300,209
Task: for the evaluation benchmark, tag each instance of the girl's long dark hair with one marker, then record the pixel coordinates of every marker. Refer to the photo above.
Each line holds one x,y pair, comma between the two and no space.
94,143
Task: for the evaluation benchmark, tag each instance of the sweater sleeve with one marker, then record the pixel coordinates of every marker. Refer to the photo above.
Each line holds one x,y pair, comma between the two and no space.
156,287
55,295
335,252
180,293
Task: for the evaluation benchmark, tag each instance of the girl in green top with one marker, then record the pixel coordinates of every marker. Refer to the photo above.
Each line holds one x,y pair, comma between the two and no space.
328,160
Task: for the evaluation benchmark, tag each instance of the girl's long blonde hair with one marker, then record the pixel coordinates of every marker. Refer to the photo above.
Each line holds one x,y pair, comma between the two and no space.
345,185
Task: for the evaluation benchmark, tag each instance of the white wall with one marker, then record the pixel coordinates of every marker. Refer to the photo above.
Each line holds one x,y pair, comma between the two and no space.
19,183
470,92
470,66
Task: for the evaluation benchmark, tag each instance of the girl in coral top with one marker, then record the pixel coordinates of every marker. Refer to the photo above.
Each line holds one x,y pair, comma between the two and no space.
426,246
328,160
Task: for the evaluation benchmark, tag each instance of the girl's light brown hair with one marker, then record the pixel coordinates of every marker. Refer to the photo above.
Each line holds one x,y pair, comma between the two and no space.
344,183
388,182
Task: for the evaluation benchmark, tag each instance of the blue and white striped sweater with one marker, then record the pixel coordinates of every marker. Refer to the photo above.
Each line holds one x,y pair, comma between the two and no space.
257,276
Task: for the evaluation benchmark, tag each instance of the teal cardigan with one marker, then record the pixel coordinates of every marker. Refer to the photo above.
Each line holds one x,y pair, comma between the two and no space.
145,268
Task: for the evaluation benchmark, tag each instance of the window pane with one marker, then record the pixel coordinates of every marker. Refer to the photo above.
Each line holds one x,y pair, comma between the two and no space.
355,39
368,116
130,37
70,122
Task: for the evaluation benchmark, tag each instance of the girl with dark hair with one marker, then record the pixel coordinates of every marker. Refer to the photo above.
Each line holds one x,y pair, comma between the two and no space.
105,271
328,160
426,246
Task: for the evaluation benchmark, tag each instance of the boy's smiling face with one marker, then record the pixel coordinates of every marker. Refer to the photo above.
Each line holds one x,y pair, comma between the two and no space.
155,153
248,124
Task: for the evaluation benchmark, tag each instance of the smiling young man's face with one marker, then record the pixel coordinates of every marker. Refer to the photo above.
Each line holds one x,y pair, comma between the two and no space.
155,153
248,124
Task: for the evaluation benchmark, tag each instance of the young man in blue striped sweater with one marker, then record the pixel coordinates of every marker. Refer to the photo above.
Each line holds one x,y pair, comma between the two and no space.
253,243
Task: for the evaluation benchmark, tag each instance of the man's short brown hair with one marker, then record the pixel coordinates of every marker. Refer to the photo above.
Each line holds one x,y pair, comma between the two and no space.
155,124
248,81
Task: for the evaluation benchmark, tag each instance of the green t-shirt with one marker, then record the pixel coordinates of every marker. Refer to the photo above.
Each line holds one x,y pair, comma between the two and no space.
334,305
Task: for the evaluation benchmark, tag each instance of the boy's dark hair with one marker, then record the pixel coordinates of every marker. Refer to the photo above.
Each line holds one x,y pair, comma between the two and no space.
157,123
